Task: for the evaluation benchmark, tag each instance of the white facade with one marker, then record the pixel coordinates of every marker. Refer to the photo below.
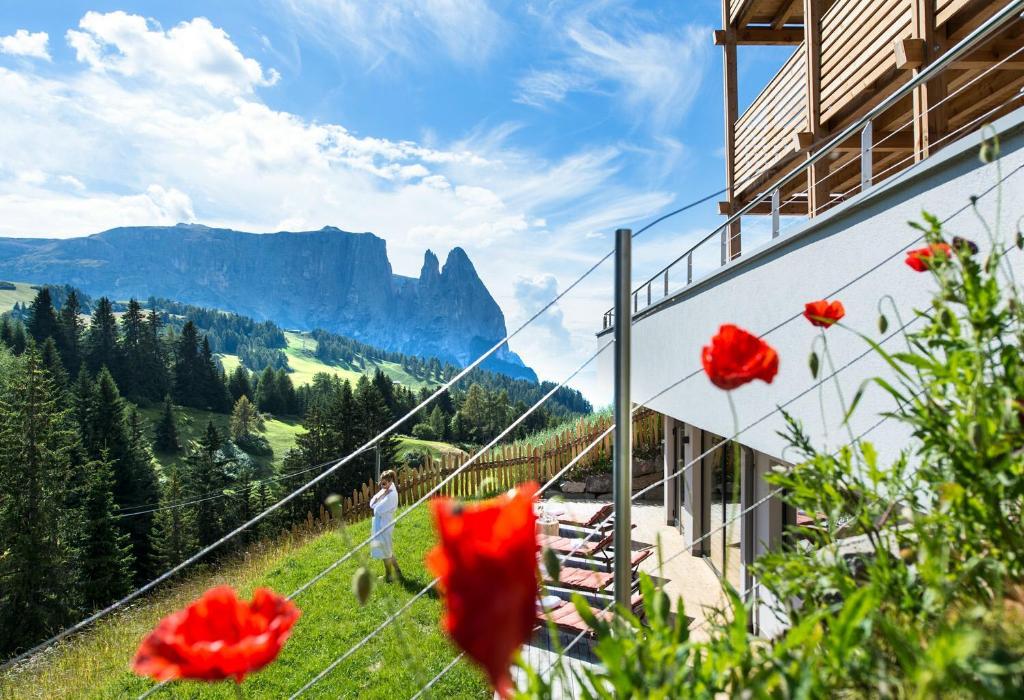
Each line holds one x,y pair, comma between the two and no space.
854,253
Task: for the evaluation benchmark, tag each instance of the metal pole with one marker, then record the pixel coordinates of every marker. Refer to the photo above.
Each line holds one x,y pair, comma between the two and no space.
622,463
376,470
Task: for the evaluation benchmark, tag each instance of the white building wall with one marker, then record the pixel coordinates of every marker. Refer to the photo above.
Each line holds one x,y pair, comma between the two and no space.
854,253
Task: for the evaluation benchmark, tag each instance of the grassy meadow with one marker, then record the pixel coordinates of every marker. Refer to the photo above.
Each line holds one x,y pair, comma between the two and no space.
402,658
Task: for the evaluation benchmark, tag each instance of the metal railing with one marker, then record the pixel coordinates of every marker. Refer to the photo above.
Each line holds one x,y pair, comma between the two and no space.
659,285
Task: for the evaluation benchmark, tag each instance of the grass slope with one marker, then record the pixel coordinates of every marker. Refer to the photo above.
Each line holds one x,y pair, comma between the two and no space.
432,447
402,658
301,352
281,433
8,297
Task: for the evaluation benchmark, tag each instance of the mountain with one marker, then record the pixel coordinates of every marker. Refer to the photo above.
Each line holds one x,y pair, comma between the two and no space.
330,279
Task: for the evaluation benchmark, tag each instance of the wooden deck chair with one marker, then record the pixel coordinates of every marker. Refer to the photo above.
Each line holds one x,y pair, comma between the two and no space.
577,520
591,581
565,617
576,545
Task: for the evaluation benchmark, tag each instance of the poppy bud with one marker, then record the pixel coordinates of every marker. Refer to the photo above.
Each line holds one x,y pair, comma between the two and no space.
552,565
813,362
989,151
1020,239
362,583
333,503
883,324
962,243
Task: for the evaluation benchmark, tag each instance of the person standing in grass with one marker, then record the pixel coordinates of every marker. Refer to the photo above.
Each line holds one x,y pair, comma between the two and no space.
384,504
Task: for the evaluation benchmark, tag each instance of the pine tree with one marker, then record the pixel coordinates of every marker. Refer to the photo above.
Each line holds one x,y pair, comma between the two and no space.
18,340
187,372
106,550
144,490
167,430
71,331
207,474
174,538
155,382
50,357
101,341
213,384
286,393
267,394
130,378
246,421
39,567
42,319
239,384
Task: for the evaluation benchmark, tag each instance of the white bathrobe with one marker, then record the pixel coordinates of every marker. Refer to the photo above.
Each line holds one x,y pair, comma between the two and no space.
384,505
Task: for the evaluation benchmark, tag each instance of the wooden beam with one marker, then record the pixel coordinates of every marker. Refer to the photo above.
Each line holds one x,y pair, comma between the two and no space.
929,122
764,208
885,142
910,53
731,243
817,174
786,11
757,36
990,56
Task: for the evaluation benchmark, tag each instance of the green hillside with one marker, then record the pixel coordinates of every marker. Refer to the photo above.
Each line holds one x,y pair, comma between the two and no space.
192,422
397,662
22,293
301,352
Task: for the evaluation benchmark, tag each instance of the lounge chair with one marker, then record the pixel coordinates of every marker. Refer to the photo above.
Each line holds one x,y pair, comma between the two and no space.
576,519
591,581
564,616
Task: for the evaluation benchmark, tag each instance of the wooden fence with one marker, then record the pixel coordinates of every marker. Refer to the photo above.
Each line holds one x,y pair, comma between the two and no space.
506,466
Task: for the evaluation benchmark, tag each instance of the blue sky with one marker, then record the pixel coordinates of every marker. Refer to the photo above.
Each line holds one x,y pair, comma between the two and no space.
525,132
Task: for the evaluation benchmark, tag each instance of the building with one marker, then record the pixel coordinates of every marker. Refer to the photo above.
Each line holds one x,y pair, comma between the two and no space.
876,116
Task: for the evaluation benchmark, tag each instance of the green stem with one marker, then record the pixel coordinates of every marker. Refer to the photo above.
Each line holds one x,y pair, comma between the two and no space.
839,389
238,691
727,535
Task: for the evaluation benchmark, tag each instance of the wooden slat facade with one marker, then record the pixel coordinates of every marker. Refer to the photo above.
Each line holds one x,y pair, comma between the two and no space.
857,52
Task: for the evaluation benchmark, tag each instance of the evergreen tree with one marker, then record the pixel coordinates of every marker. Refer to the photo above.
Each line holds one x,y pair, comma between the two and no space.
101,341
207,474
144,491
267,393
239,384
51,360
106,557
154,382
174,538
42,319
18,339
287,402
167,430
189,369
212,381
6,331
246,421
132,370
38,567
71,331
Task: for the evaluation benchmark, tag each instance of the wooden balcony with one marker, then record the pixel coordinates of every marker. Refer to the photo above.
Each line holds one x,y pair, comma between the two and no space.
848,56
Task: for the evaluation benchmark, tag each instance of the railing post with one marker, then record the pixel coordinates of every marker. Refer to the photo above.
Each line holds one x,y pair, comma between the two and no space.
666,282
689,268
648,293
622,462
775,212
725,244
866,145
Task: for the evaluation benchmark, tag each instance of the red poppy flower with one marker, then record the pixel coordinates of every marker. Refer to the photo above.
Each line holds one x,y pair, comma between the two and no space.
217,637
824,313
736,357
920,259
487,565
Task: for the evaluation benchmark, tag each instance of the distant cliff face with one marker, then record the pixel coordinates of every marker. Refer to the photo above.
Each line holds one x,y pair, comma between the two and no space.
330,279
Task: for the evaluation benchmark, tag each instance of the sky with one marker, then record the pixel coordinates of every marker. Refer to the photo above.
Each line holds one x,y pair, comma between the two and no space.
524,132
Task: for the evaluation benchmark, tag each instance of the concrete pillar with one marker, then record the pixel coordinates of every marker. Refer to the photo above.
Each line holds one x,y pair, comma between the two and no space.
695,518
767,524
668,450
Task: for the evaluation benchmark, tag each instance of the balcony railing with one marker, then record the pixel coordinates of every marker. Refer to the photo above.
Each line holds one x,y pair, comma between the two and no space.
998,97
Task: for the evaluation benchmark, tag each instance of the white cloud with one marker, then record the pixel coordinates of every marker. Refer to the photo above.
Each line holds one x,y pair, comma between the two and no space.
26,43
533,293
192,53
163,152
656,72
467,31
